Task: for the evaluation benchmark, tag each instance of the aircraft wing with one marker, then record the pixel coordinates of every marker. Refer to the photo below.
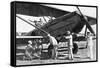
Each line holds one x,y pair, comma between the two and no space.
36,9
33,9
69,22
64,20
29,37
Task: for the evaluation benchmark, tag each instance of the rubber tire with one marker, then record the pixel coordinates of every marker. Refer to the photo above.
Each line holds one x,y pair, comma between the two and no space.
50,51
75,48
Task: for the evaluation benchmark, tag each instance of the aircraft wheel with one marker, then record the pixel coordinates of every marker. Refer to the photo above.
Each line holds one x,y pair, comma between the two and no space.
75,48
50,51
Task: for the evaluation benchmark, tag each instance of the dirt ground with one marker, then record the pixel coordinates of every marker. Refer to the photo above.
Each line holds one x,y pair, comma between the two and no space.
80,56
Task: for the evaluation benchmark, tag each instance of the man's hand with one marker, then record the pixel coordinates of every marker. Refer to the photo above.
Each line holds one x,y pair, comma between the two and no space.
48,35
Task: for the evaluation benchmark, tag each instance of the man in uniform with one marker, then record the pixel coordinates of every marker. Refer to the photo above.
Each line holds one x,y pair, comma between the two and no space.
90,45
70,45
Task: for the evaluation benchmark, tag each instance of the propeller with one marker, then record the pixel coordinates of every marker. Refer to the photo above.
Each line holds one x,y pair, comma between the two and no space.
86,21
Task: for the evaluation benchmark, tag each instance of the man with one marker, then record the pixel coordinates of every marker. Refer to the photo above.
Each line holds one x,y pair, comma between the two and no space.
29,50
38,49
52,49
90,45
70,44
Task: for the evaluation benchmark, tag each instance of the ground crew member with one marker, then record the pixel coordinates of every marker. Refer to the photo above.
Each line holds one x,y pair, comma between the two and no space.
90,45
70,45
29,50
53,44
38,49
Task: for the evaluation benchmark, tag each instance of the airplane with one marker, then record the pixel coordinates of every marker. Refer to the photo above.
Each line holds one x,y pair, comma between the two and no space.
64,21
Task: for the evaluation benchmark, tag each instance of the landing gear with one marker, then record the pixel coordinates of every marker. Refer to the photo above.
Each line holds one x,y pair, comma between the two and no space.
51,52
75,48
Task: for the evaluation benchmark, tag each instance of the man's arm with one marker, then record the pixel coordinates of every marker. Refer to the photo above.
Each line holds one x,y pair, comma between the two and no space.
67,37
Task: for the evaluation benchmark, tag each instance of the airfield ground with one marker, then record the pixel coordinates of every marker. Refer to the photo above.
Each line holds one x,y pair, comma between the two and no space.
80,56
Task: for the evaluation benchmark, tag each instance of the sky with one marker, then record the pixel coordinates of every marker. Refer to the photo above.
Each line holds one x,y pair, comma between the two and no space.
24,27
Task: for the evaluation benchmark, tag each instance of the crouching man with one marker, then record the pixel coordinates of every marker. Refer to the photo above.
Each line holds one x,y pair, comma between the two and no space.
38,49
70,45
33,50
29,51
52,49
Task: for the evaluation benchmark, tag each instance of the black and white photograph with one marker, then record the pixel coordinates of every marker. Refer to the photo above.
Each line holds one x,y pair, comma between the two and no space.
48,33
